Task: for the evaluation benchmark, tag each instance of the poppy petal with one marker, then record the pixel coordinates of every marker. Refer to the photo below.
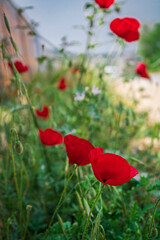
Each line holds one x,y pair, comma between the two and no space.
78,150
131,36
133,172
42,113
112,169
126,28
62,84
104,3
50,137
141,69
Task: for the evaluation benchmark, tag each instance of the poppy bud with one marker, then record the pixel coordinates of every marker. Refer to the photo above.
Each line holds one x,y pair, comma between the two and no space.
28,207
18,147
9,221
154,232
117,8
79,201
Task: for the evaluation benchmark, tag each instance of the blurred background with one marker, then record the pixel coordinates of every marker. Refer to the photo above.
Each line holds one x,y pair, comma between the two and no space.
45,27
58,18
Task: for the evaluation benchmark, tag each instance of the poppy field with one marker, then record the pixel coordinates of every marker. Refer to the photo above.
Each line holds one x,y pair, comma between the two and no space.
68,167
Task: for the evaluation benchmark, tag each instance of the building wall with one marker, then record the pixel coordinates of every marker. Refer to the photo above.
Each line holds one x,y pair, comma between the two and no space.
26,43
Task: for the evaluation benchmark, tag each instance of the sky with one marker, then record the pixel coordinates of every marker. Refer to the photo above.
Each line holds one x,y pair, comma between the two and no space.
57,18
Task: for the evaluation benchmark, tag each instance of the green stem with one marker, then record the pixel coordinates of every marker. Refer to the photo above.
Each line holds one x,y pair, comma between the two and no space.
154,212
27,222
18,188
87,223
21,176
14,168
30,105
108,57
122,201
85,57
7,231
35,122
19,196
59,203
79,181
117,130
110,53
21,86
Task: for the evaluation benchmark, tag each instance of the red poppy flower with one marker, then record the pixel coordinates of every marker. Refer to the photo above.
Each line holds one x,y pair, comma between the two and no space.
104,3
126,28
75,70
62,84
111,169
50,137
78,150
44,113
19,66
141,70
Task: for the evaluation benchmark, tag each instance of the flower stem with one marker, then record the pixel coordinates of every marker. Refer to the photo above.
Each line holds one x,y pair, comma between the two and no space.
29,207
154,212
20,194
79,181
21,87
87,223
85,57
59,203
14,168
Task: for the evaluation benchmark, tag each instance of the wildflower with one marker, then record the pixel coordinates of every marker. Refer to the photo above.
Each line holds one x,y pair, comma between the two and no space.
44,113
62,84
95,90
79,97
143,174
104,3
126,28
73,131
78,150
42,167
86,88
19,66
141,70
110,168
50,137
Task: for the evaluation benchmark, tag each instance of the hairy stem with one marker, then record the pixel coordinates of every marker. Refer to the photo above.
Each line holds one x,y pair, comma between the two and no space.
60,200
151,225
87,223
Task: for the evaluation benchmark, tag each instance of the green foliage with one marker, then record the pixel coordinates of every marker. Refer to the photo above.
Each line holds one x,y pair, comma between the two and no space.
123,212
149,46
33,176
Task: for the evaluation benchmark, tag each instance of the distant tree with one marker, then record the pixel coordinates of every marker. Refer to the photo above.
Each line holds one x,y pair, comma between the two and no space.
149,46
